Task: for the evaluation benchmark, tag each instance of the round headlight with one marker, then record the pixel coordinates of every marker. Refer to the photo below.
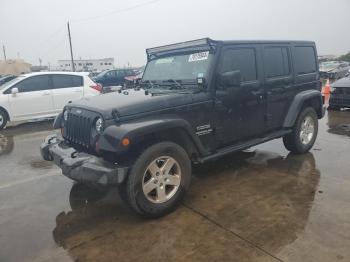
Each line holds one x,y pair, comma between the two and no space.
65,115
99,125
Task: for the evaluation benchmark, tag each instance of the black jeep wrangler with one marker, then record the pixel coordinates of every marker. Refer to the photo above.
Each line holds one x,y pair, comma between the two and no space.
197,101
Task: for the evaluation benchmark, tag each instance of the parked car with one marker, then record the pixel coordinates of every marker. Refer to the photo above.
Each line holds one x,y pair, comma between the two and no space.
334,69
42,95
115,77
6,79
340,94
197,101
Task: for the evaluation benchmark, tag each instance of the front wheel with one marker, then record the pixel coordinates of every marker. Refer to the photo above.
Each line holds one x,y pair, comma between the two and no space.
3,119
304,133
158,180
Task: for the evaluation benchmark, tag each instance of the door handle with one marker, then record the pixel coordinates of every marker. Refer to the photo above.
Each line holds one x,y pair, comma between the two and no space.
46,93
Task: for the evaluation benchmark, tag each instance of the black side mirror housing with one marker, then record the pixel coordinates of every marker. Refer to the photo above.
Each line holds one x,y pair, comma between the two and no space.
230,79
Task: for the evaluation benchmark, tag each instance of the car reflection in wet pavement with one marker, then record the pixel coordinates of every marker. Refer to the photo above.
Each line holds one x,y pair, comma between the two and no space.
263,204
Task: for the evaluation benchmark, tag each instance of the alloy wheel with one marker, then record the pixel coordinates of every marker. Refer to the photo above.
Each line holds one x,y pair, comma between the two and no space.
161,179
307,130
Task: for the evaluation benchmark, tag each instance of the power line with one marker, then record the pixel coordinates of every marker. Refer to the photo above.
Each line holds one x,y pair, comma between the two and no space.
54,48
116,11
51,35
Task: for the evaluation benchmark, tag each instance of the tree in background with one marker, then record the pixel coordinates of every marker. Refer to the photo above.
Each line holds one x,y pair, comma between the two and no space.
345,57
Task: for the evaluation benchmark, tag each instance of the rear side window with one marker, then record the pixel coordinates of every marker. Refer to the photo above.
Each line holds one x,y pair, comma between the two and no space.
276,61
34,83
240,59
65,81
305,60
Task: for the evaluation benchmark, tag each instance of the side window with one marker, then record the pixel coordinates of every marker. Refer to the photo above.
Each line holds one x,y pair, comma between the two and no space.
240,59
64,81
305,60
276,62
77,81
34,83
121,73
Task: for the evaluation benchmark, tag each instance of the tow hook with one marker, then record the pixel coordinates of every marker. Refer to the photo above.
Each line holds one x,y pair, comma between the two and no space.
74,154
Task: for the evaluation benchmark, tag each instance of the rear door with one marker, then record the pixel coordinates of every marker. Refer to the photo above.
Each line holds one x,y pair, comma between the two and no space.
278,83
66,88
33,100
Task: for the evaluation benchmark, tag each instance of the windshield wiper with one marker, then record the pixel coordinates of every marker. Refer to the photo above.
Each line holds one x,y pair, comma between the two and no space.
149,82
176,82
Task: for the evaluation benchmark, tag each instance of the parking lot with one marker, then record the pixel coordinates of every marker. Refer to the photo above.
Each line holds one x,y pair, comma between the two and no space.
262,204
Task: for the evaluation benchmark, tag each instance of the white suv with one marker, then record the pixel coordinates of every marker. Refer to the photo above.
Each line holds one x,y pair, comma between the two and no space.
42,95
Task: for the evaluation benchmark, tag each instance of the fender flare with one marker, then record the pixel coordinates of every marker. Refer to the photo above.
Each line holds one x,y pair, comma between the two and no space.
298,103
112,136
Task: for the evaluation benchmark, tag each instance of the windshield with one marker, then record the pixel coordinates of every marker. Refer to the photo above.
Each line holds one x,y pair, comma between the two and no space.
101,74
9,83
178,67
329,65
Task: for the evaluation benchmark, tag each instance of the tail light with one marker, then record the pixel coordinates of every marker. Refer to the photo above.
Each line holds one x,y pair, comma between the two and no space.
97,87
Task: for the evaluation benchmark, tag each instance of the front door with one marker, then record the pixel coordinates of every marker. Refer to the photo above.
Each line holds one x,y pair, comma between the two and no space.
33,100
240,114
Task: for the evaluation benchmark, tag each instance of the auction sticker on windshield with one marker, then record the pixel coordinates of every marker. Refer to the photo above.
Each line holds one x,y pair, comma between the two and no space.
198,56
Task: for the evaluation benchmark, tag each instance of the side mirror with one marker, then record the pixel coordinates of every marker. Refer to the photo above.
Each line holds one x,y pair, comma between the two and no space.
14,91
230,79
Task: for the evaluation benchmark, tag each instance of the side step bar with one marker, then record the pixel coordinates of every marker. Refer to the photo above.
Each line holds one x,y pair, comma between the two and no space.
245,145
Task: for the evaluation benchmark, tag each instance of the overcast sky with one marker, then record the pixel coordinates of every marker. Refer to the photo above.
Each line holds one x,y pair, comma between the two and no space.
36,29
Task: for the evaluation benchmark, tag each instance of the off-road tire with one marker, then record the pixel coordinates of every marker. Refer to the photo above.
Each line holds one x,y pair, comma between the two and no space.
292,141
132,192
3,119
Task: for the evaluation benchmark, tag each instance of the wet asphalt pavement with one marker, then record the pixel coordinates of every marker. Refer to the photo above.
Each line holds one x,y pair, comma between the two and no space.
259,205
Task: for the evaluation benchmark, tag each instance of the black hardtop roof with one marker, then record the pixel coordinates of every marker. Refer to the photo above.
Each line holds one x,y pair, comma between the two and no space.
210,42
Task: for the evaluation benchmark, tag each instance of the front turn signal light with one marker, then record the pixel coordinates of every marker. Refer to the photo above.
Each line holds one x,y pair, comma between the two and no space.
125,141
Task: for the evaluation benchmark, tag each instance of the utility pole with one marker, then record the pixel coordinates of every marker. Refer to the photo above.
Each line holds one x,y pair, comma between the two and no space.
3,49
71,49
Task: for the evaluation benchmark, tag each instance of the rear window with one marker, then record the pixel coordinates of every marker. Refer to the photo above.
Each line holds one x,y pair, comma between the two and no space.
65,81
276,61
305,60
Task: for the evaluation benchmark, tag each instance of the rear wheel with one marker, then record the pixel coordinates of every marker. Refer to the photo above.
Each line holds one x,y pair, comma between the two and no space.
3,119
304,133
158,180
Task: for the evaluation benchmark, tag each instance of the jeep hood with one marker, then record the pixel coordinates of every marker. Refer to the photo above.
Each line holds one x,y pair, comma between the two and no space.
131,102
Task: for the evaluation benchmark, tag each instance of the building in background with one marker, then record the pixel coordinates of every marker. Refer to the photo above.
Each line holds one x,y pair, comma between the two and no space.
14,67
87,65
39,68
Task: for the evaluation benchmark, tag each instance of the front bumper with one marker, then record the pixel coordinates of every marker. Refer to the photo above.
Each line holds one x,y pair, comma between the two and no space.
79,166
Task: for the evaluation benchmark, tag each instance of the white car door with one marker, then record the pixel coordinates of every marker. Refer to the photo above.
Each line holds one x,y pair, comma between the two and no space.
33,100
66,88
